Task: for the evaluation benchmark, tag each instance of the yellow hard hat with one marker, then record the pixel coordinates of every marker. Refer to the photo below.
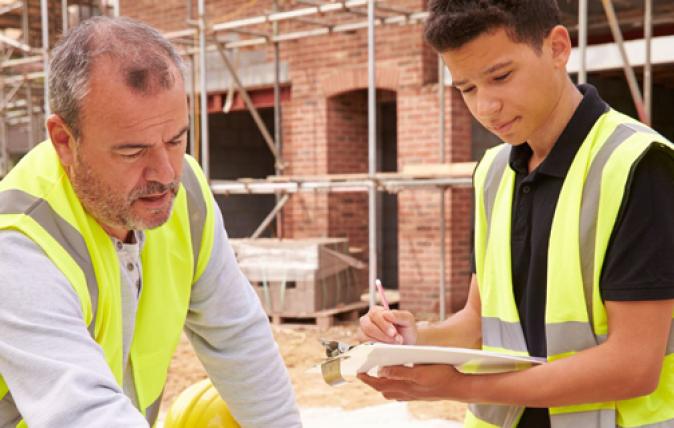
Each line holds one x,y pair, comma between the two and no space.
199,406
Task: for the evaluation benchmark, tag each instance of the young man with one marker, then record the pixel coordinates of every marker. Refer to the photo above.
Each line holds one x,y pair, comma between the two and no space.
574,239
111,243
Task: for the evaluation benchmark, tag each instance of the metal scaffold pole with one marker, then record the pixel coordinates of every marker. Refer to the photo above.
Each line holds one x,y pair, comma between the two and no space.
64,15
278,135
45,53
29,114
29,85
372,150
582,41
443,250
4,151
203,90
629,71
648,66
192,100
191,88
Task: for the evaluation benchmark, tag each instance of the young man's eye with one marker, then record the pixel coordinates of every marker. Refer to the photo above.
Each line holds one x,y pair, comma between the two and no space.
502,76
468,90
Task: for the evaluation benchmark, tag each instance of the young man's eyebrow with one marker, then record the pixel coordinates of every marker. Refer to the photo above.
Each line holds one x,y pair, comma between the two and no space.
497,67
126,146
488,71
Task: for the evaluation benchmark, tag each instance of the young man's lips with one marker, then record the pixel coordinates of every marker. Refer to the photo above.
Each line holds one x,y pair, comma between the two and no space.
504,127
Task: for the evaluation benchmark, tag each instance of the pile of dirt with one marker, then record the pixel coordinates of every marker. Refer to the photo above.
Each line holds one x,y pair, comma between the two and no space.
301,350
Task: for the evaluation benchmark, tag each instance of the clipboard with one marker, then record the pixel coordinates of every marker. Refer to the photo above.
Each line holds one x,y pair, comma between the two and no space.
368,356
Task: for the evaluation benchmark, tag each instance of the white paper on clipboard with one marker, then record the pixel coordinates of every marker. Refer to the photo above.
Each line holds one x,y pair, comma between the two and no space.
367,356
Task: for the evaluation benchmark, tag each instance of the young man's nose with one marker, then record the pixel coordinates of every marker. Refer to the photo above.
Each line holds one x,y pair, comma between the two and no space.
487,105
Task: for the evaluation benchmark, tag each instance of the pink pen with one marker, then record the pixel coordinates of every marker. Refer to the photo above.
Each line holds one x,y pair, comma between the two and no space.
384,303
382,296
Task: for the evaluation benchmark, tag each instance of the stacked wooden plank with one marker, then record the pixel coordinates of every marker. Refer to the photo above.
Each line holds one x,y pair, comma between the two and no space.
298,278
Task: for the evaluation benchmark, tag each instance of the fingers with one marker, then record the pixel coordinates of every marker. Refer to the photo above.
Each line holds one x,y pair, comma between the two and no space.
377,328
372,330
421,382
400,318
391,390
402,373
387,326
381,384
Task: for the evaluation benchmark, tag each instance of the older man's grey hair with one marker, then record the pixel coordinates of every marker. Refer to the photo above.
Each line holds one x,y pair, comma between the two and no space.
147,62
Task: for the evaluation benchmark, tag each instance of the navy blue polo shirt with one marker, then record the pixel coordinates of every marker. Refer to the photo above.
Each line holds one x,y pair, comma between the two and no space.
638,263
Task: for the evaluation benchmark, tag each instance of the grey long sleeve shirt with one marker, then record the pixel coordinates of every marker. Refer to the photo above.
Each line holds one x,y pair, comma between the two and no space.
57,373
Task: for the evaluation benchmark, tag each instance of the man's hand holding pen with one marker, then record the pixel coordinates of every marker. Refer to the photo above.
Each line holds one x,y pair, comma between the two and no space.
382,324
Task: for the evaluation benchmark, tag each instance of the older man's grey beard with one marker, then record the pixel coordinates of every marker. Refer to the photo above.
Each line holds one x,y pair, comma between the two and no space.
110,207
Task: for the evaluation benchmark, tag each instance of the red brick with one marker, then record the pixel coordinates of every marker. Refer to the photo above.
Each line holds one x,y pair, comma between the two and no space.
325,132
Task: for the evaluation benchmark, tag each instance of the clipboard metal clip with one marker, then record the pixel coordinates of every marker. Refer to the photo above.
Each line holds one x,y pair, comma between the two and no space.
334,348
331,367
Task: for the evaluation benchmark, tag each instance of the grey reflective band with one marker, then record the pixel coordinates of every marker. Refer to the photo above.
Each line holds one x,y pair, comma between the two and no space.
572,336
589,209
493,181
196,208
664,424
604,418
496,414
575,336
502,334
152,412
8,405
640,127
15,201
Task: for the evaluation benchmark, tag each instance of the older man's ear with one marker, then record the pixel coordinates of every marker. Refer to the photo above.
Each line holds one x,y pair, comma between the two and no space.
62,139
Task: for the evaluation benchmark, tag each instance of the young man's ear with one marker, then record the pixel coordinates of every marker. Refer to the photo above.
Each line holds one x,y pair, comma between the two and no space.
560,45
62,139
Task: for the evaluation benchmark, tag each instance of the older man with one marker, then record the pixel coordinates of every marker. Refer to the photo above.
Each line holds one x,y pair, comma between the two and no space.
111,244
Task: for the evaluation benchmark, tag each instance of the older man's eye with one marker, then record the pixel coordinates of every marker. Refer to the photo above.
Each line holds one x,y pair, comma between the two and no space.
131,155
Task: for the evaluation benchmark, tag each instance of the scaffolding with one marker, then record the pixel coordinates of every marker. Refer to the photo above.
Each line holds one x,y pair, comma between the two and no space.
377,14
26,67
24,71
369,14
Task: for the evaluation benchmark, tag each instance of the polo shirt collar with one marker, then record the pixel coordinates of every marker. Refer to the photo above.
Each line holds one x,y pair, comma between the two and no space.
559,160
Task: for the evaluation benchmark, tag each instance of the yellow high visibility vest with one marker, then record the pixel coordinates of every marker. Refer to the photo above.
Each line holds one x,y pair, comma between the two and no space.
38,200
575,316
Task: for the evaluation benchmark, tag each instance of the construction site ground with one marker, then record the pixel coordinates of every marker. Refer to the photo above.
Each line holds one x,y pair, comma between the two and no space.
301,350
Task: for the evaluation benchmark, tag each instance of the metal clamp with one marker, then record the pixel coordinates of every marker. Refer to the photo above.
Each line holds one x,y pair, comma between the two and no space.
331,368
335,348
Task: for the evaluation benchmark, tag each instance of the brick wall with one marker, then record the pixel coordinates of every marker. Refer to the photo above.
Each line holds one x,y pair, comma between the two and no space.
325,131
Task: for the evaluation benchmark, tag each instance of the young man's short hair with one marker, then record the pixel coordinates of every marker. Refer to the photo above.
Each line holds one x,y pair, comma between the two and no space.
453,23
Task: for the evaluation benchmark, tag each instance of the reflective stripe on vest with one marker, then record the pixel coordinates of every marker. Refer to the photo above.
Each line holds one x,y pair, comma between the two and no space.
494,176
494,415
196,204
503,335
566,331
596,419
152,412
18,202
